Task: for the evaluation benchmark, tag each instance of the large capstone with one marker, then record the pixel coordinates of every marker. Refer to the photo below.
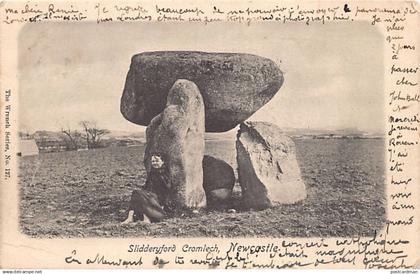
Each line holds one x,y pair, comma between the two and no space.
268,170
177,135
218,183
233,85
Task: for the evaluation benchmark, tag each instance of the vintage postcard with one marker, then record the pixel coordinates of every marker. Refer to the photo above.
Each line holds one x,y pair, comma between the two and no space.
222,134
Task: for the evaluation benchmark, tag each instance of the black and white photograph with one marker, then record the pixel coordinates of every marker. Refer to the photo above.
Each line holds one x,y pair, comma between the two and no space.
209,135
217,131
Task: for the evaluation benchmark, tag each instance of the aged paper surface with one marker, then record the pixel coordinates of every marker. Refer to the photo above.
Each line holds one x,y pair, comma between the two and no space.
350,102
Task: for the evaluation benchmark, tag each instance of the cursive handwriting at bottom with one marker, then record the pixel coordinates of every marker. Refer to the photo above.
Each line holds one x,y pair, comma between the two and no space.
102,260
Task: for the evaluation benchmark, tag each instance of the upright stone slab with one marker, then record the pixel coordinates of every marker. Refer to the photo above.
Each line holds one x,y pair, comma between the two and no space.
178,135
218,183
233,85
268,170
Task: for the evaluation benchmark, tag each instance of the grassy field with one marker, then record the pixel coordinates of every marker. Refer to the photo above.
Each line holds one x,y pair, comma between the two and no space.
86,194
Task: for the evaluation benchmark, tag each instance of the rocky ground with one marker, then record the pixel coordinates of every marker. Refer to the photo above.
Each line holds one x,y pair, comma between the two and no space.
86,193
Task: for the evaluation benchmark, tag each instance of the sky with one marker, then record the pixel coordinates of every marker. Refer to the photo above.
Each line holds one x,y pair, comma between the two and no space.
333,73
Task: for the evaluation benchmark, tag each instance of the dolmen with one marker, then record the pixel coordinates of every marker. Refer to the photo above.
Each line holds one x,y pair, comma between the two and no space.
218,182
233,85
268,170
180,95
177,135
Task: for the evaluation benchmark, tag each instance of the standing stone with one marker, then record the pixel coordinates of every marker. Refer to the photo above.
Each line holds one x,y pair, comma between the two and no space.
178,135
233,85
268,170
218,183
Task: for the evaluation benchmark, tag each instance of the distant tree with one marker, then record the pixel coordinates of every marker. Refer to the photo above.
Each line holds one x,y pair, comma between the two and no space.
92,134
73,139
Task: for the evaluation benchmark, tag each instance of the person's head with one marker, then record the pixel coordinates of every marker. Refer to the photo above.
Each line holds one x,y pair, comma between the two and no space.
156,161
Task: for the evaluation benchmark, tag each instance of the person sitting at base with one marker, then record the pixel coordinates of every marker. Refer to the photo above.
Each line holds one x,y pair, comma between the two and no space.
152,204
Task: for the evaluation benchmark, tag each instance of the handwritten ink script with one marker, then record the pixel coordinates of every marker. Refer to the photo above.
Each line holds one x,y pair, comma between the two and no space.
403,121
103,13
375,252
32,13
